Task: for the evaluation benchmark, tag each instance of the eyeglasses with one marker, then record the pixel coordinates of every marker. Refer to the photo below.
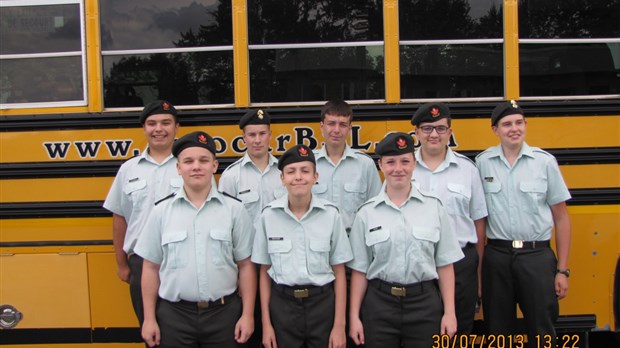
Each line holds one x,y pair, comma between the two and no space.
439,129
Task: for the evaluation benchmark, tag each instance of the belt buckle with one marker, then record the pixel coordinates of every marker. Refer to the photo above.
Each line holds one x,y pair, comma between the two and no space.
517,244
300,293
202,304
399,291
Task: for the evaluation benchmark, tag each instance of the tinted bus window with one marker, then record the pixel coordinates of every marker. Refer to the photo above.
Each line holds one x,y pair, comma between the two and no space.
314,51
41,54
175,50
470,65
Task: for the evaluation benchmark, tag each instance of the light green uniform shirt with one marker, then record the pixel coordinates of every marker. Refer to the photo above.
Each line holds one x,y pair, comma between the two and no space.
403,245
254,188
349,183
301,251
519,197
197,249
139,183
456,182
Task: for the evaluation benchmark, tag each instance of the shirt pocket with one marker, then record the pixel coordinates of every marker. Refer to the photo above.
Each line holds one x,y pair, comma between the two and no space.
424,240
319,189
221,246
318,257
492,193
354,194
535,194
458,201
136,193
174,246
279,253
378,241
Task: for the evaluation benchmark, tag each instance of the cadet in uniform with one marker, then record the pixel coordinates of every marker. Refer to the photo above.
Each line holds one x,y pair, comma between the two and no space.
402,244
196,247
254,178
526,196
140,182
301,246
347,177
455,180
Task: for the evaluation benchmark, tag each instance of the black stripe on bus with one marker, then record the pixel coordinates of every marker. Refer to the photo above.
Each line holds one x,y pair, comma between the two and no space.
72,169
75,209
55,243
307,114
70,335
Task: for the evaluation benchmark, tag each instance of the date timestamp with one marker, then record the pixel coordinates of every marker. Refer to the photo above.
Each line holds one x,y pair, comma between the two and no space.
505,341
479,341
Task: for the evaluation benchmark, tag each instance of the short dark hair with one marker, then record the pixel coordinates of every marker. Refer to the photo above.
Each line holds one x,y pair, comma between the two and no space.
336,107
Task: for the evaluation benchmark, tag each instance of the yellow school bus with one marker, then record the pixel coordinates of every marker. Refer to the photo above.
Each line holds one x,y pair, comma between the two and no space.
74,75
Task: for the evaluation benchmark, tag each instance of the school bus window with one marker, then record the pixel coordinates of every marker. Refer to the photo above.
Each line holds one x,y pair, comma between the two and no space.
180,51
452,51
564,52
187,78
332,49
41,54
569,19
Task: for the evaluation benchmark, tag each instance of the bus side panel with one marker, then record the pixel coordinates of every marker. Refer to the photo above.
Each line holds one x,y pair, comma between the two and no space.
109,296
50,290
593,256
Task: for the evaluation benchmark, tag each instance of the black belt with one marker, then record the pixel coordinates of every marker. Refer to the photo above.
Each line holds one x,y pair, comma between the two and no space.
207,304
519,244
301,291
468,246
401,290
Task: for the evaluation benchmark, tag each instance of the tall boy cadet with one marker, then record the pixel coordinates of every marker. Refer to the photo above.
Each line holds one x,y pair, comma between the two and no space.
302,246
196,247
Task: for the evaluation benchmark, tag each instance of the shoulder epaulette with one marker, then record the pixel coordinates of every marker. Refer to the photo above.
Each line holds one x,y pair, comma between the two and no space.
460,155
233,164
482,153
330,204
372,200
231,196
163,199
539,150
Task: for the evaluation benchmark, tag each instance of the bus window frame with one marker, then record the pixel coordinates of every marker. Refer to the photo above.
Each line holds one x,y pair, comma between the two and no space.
61,54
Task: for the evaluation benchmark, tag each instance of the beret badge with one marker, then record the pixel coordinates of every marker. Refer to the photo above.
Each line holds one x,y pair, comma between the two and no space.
514,104
165,106
202,138
302,152
260,114
435,112
401,143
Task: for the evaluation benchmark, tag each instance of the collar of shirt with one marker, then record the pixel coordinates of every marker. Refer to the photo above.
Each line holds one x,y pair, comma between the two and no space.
382,197
214,194
322,153
282,203
145,156
247,160
497,151
450,159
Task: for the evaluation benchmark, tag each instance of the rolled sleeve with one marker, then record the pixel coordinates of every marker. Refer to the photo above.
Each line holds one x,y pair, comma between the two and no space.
447,250
341,248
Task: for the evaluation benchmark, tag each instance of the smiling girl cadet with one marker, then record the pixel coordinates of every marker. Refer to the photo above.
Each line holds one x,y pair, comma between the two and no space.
403,245
301,245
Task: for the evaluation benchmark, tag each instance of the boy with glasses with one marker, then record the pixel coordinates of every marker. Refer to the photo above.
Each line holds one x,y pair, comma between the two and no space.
454,179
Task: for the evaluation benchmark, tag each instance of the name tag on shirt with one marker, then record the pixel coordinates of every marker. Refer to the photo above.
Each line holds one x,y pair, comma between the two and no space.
276,238
375,229
244,191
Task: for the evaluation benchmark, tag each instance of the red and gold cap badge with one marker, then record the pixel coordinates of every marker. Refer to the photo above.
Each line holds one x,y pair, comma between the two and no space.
401,143
202,138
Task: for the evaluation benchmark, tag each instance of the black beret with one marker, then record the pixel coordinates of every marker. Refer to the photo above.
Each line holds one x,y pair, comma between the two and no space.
297,153
395,144
504,109
255,117
194,139
157,107
430,112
